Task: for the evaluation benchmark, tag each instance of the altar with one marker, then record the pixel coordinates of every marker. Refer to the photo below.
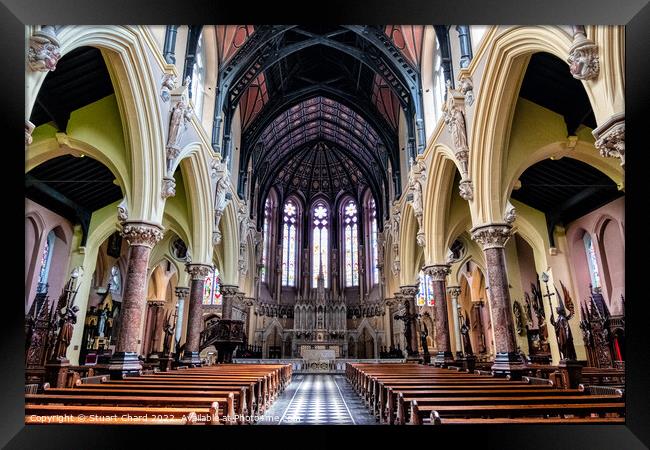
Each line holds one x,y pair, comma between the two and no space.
318,360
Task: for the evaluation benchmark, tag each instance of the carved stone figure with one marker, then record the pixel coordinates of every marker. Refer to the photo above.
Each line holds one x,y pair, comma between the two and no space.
180,116
416,181
122,211
610,138
464,333
44,53
455,120
29,127
466,190
467,89
168,187
168,84
510,215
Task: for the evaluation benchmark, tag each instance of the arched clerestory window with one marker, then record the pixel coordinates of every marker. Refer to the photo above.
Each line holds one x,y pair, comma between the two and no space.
320,242
198,78
374,256
267,240
289,243
351,236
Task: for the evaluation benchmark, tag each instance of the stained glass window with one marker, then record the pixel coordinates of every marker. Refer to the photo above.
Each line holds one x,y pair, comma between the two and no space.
373,242
212,289
320,243
289,229
425,291
439,86
351,226
46,259
591,260
267,238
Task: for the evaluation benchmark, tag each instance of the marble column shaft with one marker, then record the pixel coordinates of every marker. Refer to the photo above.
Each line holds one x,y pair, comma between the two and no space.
454,292
198,274
141,238
438,274
492,239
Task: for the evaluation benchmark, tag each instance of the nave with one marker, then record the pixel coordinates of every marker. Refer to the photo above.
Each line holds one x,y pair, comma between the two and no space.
318,399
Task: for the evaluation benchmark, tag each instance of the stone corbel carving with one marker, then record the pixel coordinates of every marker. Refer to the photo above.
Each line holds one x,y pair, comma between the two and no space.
29,127
122,211
180,116
467,89
510,215
44,49
610,138
417,179
454,114
168,84
583,56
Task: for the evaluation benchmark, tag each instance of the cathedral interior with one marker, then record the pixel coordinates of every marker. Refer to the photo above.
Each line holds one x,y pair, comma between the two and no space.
324,197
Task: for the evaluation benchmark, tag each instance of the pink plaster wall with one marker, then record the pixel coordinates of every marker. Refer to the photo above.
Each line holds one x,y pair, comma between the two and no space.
606,226
39,221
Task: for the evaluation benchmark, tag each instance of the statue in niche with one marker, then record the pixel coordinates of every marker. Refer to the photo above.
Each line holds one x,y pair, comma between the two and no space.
455,120
101,322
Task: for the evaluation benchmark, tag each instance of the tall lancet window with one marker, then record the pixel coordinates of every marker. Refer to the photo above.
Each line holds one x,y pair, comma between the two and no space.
374,258
425,292
591,260
289,230
350,227
198,78
320,243
267,239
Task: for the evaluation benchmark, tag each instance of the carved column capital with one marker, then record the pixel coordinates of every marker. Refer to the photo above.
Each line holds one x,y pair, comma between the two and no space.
198,271
408,291
142,233
466,189
610,138
229,290
454,291
492,235
168,187
437,272
182,292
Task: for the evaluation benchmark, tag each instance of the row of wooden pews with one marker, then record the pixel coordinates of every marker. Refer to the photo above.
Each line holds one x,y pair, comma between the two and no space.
222,394
417,394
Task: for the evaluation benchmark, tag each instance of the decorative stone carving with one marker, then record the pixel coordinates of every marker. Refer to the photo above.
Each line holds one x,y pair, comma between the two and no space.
510,215
491,236
122,211
454,115
182,292
168,187
142,234
438,272
44,52
168,84
610,138
583,56
180,116
466,189
416,183
29,127
198,271
243,258
467,89
454,291
222,175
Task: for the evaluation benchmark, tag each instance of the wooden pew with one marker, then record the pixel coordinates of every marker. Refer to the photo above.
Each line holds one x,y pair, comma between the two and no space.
584,410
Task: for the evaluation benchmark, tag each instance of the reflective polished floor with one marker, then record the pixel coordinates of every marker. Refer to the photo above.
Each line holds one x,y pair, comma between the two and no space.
318,400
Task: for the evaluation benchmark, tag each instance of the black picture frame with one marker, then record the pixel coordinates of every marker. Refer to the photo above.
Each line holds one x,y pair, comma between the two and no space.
635,14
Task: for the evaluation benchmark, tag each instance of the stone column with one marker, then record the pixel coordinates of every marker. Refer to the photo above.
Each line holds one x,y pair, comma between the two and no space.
229,293
141,237
492,238
181,294
198,274
408,296
454,292
438,274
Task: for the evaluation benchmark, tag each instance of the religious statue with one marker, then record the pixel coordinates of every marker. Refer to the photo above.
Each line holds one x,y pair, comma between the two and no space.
423,340
168,84
66,323
464,332
563,333
455,120
181,115
169,333
101,322
407,318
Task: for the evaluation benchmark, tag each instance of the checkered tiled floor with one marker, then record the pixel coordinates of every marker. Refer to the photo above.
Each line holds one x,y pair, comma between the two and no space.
318,400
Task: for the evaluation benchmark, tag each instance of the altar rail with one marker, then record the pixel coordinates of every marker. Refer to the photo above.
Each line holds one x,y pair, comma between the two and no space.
299,365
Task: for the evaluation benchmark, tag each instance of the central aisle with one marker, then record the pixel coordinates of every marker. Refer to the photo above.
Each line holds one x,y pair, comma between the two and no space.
318,400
